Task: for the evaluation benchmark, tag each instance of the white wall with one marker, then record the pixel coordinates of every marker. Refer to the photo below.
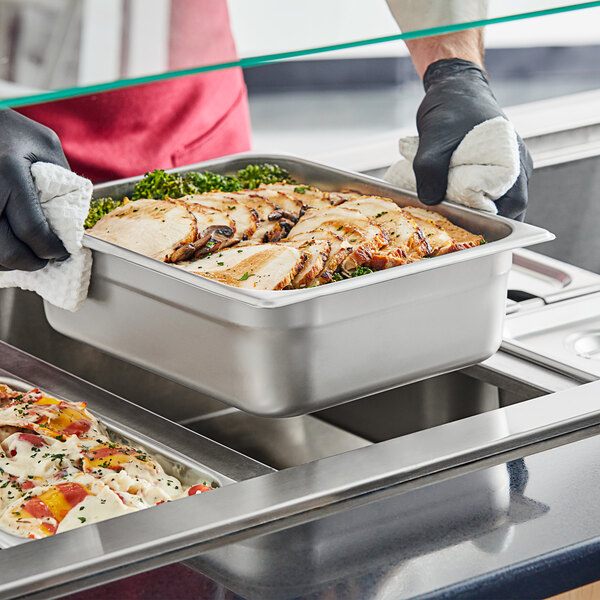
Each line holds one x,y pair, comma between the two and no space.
294,25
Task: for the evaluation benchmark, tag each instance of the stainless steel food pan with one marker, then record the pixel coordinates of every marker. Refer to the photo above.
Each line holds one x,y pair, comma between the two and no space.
182,453
292,352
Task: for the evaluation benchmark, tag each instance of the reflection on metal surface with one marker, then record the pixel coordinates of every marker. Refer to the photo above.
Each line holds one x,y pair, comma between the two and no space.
585,344
342,547
558,335
414,407
371,552
24,325
549,279
279,443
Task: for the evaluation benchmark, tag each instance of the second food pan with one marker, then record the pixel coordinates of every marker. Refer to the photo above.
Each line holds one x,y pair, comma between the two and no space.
284,353
183,454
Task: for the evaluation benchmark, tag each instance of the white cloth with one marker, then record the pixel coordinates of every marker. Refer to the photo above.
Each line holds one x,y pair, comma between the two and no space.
65,199
483,168
413,15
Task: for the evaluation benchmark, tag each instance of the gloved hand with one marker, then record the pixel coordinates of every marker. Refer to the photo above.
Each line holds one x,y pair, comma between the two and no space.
26,240
458,98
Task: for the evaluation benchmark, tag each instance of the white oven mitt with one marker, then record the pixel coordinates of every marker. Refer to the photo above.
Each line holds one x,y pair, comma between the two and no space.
484,166
65,199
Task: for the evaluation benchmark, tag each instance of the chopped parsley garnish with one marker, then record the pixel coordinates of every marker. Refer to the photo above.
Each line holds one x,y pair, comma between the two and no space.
245,276
361,271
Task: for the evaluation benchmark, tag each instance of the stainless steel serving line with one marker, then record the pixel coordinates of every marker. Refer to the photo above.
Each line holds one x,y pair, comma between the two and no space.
272,501
357,485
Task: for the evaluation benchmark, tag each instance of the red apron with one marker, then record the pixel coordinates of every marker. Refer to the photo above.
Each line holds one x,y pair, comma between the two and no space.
161,125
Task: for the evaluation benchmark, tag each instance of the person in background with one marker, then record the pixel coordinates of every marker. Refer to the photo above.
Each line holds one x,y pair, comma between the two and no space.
180,121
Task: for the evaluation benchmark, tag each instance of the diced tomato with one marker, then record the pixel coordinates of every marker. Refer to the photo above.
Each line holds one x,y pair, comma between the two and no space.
198,489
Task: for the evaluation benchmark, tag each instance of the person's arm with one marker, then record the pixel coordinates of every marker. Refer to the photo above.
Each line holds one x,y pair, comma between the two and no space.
467,45
457,95
26,240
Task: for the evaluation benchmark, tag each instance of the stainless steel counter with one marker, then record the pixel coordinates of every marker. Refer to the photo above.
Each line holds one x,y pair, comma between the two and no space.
329,486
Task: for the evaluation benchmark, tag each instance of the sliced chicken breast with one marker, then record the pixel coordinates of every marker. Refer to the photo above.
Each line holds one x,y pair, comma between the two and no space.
337,198
245,218
292,206
462,237
310,197
215,231
317,253
355,228
407,241
340,249
439,241
268,228
155,228
258,267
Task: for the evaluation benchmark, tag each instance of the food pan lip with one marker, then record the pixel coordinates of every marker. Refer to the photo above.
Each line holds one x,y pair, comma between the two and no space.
521,234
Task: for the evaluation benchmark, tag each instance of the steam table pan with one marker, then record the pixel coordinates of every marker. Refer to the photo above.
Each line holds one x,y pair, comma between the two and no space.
182,453
285,353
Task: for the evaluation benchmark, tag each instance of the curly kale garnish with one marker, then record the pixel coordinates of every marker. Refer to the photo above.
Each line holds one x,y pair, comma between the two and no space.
361,271
208,182
160,185
98,208
253,175
340,275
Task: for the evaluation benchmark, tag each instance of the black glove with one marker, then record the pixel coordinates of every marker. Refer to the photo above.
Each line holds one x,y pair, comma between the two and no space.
457,98
26,240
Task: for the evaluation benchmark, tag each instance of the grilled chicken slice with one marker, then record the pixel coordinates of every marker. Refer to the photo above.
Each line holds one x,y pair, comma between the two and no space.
244,218
439,241
310,197
340,249
337,198
464,238
215,231
359,231
407,241
268,228
317,253
258,267
156,228
292,207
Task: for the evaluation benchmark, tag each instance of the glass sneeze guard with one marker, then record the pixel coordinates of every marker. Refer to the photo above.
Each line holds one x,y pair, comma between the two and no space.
56,49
